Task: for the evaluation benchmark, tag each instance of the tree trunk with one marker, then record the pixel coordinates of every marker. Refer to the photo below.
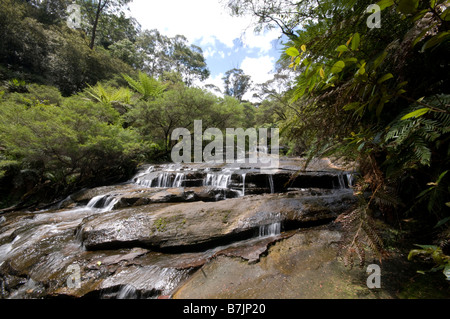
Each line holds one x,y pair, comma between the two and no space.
94,27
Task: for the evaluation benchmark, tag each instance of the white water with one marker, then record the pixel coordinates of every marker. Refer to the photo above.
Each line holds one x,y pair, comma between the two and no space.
178,180
243,184
127,292
168,176
221,180
272,188
108,203
273,229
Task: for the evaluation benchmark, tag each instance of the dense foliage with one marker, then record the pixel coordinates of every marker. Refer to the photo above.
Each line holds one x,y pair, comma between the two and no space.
83,107
376,92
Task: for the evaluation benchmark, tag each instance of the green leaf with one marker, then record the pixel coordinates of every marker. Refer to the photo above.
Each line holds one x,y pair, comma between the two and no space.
355,42
351,106
293,52
445,16
385,77
441,177
383,4
438,38
362,70
407,6
303,48
379,60
421,35
402,84
338,67
446,271
342,48
442,222
416,113
350,60
380,108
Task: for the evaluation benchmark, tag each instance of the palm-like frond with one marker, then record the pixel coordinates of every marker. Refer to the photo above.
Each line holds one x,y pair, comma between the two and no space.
147,86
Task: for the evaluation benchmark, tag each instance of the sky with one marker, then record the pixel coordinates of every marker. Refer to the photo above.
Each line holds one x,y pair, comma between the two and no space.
227,42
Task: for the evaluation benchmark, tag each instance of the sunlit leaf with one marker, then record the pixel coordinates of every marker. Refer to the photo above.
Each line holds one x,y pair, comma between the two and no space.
383,4
293,52
416,113
338,67
322,73
355,42
342,48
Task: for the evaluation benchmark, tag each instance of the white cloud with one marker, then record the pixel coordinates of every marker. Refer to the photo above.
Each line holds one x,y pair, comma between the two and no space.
259,68
209,52
215,80
208,23
261,41
204,20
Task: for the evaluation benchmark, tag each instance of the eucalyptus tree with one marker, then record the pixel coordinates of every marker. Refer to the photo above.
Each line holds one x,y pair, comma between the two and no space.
160,54
237,83
105,14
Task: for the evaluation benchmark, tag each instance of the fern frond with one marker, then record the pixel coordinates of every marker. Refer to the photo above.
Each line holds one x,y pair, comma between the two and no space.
359,235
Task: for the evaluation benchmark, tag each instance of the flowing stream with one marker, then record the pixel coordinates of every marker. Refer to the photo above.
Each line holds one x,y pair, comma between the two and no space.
41,245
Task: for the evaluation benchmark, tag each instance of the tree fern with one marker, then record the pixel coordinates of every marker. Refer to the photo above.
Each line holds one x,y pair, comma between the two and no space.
147,86
108,96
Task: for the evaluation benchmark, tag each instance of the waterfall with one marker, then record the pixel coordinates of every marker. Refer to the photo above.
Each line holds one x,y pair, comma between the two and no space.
272,189
345,180
273,229
127,292
350,179
341,181
178,180
221,180
103,202
243,184
163,180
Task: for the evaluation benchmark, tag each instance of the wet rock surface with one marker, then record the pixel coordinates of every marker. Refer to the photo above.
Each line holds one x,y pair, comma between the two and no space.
187,232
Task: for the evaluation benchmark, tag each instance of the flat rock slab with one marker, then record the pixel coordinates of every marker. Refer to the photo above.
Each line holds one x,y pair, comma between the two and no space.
303,266
200,225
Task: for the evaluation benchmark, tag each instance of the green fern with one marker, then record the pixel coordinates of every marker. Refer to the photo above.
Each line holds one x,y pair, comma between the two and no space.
413,139
108,96
147,86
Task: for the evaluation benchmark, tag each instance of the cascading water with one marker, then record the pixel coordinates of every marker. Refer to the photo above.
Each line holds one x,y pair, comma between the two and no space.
350,178
167,177
221,180
345,180
269,230
103,202
178,180
272,188
127,292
